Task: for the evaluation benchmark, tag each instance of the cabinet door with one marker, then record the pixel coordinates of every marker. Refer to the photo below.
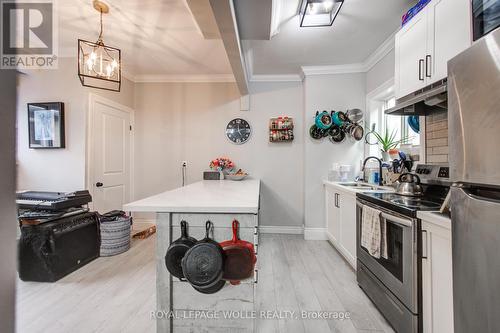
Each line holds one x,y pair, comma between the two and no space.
332,216
411,48
449,33
348,226
437,279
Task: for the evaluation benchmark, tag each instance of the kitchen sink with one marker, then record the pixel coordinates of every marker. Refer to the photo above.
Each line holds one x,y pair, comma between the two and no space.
360,186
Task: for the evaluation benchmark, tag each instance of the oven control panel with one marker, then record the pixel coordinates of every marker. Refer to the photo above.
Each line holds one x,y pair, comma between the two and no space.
430,173
444,172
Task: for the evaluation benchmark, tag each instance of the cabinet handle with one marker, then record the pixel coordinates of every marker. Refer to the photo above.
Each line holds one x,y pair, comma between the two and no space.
428,62
420,72
256,276
336,200
424,244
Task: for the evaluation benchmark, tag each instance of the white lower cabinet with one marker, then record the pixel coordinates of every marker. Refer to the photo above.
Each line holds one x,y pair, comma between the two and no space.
437,278
341,221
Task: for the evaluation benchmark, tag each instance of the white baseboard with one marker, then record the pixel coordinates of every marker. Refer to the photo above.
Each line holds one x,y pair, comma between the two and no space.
315,234
138,222
290,230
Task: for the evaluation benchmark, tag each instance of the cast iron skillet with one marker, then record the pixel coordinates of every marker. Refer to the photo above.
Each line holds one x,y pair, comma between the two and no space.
177,250
240,258
203,264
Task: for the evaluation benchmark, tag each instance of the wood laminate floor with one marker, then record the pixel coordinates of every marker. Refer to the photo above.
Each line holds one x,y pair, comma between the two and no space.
117,294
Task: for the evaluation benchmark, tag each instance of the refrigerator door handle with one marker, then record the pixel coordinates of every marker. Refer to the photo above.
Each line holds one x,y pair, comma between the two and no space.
482,194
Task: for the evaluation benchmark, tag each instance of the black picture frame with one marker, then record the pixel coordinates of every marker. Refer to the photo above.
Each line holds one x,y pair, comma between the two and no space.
46,125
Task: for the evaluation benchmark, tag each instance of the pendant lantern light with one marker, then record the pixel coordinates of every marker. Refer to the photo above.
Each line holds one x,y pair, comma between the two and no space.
99,65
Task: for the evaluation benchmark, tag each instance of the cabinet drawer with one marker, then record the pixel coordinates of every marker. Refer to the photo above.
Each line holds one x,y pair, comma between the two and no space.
229,298
219,220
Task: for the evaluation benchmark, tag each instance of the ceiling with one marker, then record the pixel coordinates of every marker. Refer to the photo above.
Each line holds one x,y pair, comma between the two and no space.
360,27
157,37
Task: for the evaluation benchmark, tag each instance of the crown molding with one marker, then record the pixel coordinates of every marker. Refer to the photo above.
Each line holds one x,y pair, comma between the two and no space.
276,78
362,67
333,69
184,78
381,51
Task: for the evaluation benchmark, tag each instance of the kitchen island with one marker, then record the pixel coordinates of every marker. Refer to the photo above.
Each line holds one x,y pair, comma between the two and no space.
220,202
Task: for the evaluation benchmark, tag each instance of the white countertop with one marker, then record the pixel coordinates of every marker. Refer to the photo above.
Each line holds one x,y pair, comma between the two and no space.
436,218
208,196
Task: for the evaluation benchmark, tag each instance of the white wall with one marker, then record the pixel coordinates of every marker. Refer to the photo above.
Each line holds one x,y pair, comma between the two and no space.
186,121
328,92
58,169
381,72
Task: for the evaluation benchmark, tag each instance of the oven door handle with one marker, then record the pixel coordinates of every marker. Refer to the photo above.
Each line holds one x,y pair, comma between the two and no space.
392,218
397,220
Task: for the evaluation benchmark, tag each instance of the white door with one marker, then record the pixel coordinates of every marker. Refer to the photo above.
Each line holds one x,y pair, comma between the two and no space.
411,50
332,216
437,279
348,226
449,33
110,155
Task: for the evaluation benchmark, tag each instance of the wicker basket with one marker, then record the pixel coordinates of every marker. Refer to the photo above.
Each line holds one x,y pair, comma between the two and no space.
115,236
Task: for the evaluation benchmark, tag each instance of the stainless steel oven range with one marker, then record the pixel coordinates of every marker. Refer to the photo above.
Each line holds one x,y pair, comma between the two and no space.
394,283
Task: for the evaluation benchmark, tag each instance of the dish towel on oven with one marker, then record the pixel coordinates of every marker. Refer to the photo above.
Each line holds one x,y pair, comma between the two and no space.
373,232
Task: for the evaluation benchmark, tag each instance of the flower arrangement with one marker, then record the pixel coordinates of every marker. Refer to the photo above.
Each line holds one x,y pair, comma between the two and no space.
221,163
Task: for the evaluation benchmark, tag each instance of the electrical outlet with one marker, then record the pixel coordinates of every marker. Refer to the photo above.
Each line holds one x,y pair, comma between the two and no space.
184,164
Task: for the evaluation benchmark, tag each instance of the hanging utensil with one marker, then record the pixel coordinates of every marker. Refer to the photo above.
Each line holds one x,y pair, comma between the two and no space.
357,132
177,250
203,264
315,133
240,258
354,115
370,133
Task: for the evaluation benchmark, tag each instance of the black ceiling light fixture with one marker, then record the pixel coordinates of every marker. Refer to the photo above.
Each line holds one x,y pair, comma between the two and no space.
319,13
99,65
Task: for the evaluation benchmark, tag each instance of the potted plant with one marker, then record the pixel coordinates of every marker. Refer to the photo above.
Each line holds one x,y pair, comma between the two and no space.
388,142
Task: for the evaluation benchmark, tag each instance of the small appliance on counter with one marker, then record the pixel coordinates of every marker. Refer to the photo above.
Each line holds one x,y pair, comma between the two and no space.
393,281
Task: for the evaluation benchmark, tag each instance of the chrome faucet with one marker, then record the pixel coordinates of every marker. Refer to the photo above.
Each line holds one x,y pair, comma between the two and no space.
380,180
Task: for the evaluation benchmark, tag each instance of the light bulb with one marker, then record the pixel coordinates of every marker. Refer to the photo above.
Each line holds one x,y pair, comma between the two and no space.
109,70
90,64
114,64
328,5
93,55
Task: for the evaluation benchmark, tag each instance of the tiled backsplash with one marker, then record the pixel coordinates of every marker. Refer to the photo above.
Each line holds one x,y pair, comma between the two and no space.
436,137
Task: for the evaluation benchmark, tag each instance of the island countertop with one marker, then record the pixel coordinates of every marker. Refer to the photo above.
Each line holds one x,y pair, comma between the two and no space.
208,196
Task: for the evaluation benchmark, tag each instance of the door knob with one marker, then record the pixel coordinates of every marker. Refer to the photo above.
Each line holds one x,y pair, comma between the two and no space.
98,184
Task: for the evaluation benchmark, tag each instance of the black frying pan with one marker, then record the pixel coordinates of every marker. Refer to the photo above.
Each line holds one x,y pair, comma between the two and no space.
177,250
203,264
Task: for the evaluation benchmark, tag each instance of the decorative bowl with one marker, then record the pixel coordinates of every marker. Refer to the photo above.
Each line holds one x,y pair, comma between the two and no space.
236,176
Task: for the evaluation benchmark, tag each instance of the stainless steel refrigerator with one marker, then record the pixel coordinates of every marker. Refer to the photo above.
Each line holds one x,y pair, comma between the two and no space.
474,141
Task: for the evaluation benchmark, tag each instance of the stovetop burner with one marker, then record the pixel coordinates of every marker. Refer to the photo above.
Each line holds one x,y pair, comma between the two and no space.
404,205
417,203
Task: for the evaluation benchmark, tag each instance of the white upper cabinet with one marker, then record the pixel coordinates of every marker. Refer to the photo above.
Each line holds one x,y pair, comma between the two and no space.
411,47
426,43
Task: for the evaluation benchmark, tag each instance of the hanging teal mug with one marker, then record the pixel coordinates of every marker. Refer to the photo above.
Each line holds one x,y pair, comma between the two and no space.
323,120
339,118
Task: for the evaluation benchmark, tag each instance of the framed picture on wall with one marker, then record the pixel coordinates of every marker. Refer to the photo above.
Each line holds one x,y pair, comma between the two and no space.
46,125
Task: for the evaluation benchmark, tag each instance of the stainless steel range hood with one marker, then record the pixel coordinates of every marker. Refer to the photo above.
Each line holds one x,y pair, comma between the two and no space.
423,102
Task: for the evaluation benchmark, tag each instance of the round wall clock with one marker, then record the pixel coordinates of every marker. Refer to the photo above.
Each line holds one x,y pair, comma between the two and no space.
238,131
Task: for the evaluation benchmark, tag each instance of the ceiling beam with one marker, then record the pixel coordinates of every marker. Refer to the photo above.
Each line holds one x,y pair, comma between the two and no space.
223,11
204,18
